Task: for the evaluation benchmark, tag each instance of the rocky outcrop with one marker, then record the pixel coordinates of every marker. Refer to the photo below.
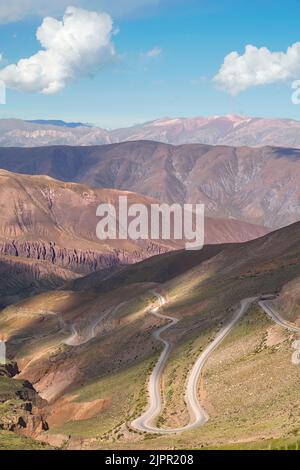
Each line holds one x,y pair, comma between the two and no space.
9,370
20,419
21,410
78,261
21,277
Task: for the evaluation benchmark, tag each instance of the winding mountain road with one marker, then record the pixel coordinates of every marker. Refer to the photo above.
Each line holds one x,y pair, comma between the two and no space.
77,338
154,382
198,416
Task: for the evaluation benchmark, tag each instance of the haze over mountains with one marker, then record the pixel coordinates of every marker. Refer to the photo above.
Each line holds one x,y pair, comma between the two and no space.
232,130
254,185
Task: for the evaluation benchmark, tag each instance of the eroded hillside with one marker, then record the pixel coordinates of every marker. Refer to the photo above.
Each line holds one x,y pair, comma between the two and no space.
92,349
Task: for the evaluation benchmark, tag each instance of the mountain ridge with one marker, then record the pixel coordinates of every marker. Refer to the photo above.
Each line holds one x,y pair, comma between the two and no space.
242,183
48,233
232,130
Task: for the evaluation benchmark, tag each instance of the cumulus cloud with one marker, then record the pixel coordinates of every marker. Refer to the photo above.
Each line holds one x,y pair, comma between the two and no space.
258,66
77,45
16,10
155,52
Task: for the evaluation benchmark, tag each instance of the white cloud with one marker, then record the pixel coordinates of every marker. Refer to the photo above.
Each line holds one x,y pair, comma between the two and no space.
155,52
15,10
77,45
258,66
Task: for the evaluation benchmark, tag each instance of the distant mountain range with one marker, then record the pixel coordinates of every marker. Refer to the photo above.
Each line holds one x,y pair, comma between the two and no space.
59,123
254,185
232,130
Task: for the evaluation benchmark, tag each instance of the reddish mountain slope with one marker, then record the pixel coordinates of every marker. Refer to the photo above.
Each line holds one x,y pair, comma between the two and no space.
45,219
259,186
48,220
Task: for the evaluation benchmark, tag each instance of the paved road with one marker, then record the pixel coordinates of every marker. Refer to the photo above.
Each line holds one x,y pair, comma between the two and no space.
154,409
77,339
197,414
276,317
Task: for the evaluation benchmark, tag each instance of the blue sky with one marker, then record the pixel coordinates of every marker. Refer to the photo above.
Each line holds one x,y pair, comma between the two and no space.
189,41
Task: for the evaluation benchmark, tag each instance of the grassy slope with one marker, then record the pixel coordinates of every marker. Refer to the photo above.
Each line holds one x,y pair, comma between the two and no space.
251,391
126,395
245,358
13,441
116,366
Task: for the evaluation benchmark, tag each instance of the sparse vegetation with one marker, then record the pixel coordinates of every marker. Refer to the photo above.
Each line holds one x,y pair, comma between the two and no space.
12,441
249,387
